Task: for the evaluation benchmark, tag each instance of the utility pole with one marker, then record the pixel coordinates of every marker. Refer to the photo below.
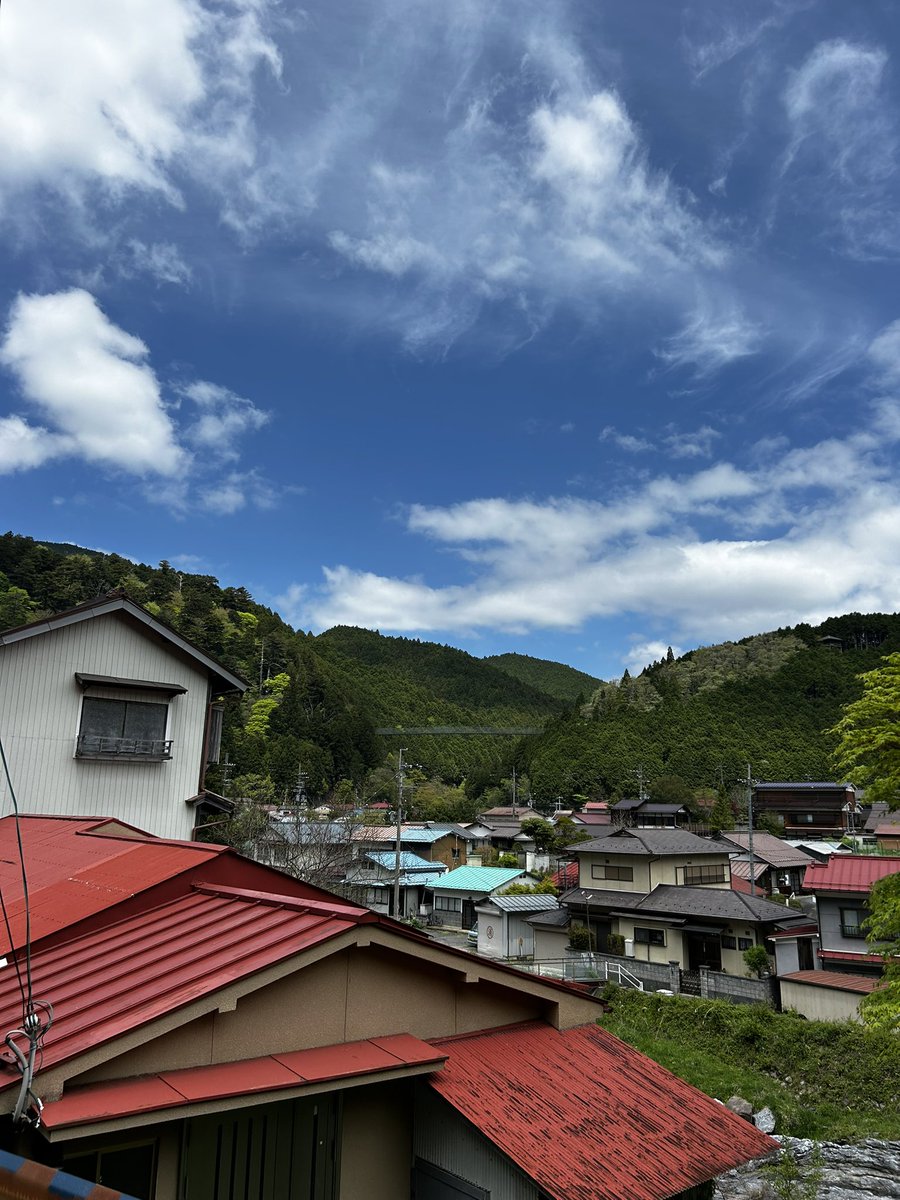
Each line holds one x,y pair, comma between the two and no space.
396,905
750,828
515,809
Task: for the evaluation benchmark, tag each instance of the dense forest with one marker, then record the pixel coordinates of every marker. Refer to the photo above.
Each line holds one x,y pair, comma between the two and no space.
327,714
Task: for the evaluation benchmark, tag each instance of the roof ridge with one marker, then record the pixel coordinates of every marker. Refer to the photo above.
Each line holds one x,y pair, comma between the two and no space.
277,900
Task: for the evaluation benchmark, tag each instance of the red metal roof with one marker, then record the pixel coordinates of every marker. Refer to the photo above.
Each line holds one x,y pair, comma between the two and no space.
584,1115
843,981
848,873
75,869
272,1073
114,980
850,957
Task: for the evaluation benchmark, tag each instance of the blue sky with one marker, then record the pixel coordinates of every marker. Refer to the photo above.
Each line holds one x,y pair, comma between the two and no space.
565,328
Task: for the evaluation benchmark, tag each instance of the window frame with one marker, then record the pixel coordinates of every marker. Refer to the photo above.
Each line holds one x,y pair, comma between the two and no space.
713,873
124,747
614,871
655,937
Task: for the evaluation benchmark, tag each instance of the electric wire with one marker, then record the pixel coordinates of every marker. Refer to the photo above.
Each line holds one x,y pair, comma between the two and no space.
27,992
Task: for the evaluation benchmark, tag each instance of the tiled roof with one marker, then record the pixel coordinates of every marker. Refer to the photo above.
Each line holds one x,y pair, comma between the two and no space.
769,849
551,918
843,981
600,898
296,1069
479,879
528,903
649,841
194,936
849,873
584,1115
724,903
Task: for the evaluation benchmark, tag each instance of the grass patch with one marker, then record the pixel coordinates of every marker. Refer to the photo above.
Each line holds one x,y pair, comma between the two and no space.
822,1079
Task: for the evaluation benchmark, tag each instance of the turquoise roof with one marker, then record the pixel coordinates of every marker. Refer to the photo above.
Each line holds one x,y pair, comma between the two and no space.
408,862
478,879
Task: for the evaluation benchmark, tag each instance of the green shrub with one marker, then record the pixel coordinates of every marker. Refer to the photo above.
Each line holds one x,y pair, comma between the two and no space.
580,938
757,960
615,943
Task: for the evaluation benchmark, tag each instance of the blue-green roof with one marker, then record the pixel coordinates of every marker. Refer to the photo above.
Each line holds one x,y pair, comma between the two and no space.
478,879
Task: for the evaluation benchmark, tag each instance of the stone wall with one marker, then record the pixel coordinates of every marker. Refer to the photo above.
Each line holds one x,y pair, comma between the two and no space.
716,986
869,1170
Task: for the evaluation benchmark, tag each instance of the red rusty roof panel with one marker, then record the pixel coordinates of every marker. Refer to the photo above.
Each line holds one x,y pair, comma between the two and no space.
116,979
842,981
175,1089
584,1115
849,956
849,872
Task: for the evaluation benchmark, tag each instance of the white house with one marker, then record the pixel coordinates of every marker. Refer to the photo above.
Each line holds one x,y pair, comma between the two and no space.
106,710
503,927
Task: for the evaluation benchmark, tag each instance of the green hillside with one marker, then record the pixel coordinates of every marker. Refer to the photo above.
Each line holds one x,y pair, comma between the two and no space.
552,678
338,704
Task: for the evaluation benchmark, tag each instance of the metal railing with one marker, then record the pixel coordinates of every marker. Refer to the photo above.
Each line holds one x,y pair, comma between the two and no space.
852,931
95,745
582,968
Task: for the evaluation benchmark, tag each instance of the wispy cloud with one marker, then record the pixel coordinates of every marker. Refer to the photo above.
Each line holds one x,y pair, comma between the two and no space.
841,159
712,338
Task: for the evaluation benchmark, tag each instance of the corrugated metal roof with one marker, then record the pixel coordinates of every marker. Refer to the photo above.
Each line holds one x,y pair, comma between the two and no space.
740,867
584,1115
848,956
479,879
408,861
75,869
849,873
109,982
529,903
842,981
391,1055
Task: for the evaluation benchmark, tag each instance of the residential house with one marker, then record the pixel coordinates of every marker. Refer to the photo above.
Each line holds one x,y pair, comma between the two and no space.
882,827
643,814
438,842
374,874
503,928
504,824
105,709
819,810
841,888
252,1042
667,894
777,868
456,894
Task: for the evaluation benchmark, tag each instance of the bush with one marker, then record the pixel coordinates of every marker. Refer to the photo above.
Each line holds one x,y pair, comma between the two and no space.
757,960
580,938
615,943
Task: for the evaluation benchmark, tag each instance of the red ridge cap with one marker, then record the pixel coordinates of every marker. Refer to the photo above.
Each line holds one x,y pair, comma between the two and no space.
350,912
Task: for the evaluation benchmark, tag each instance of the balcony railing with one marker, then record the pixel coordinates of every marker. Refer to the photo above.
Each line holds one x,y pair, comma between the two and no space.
95,745
852,931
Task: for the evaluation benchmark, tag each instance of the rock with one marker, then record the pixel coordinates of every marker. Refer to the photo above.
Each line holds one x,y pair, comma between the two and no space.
740,1107
764,1120
868,1170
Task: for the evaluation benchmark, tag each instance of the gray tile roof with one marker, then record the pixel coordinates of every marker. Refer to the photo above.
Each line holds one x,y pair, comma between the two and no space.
649,841
555,917
670,900
601,898
768,849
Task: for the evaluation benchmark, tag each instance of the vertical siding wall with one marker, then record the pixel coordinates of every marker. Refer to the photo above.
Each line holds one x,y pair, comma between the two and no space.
40,710
446,1140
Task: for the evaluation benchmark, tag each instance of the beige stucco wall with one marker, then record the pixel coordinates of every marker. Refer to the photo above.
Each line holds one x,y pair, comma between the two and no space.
647,873
354,994
40,712
820,1003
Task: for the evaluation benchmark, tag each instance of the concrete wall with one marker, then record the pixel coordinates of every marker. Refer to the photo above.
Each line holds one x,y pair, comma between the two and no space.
40,713
714,985
820,1003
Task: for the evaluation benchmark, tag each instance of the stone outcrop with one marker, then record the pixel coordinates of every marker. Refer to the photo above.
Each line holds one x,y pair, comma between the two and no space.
867,1170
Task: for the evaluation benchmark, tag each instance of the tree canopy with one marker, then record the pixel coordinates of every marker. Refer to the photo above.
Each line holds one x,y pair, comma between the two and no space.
881,1008
868,750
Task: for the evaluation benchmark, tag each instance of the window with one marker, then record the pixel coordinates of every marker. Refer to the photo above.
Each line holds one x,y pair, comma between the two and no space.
448,903
745,943
650,937
712,874
123,728
851,922
729,942
608,871
805,818
454,853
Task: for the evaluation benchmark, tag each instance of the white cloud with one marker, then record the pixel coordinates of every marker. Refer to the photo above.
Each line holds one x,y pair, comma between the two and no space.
642,654
237,491
808,532
629,442
712,338
698,444
161,260
884,351
88,381
129,95
225,418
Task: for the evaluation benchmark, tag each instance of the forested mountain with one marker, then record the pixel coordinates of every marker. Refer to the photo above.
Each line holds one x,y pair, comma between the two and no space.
553,678
338,704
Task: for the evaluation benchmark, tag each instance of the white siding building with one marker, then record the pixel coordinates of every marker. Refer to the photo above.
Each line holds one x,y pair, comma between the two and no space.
106,711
